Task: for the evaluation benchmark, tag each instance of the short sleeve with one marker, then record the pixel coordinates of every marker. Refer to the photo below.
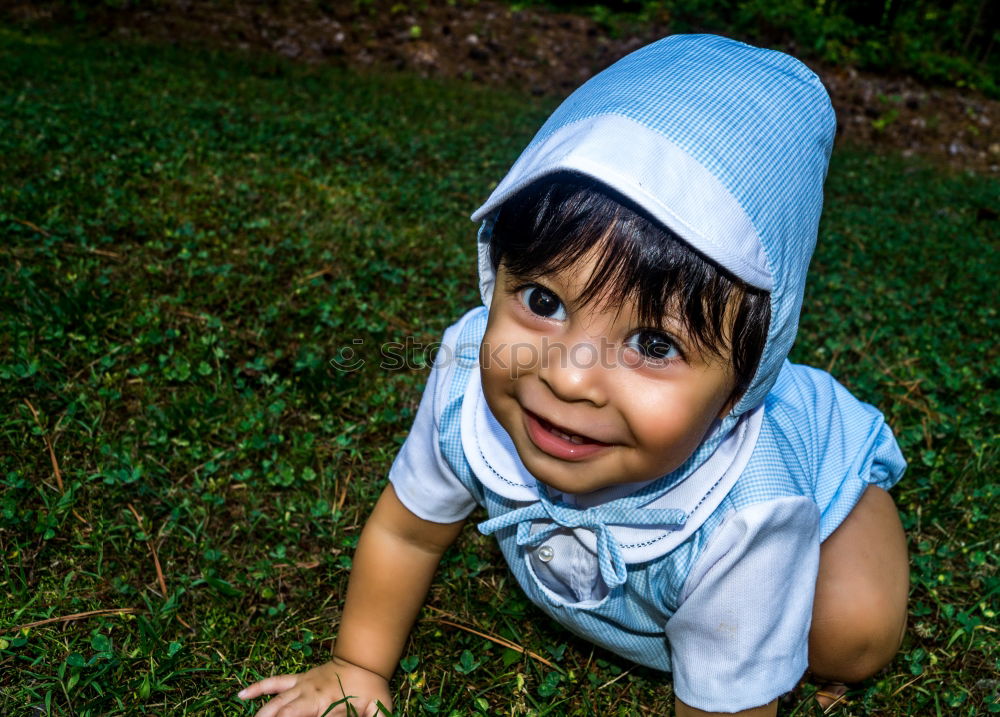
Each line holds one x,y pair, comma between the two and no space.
421,477
740,636
846,443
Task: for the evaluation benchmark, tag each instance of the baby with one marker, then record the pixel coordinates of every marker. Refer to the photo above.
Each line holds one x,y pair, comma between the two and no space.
660,479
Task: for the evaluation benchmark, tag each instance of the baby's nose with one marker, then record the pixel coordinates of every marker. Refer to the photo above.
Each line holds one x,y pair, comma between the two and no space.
575,371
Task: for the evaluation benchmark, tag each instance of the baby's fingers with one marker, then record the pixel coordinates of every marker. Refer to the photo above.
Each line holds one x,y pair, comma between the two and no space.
281,702
269,686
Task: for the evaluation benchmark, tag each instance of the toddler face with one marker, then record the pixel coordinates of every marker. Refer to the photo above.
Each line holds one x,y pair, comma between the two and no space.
590,397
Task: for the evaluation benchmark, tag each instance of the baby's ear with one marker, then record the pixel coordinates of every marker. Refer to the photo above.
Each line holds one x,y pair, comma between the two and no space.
730,404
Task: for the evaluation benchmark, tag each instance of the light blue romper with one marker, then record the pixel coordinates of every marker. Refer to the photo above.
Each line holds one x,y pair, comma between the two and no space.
761,572
708,572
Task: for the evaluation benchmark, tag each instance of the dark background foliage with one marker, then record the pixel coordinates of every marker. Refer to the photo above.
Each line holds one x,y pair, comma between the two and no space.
941,41
951,42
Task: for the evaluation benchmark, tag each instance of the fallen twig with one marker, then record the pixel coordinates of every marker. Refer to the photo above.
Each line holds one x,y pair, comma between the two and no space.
492,638
74,616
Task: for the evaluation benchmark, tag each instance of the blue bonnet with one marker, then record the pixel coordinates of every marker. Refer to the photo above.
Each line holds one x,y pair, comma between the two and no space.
724,143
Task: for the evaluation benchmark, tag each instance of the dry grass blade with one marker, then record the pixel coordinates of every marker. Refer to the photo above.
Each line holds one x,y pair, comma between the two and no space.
837,699
198,467
152,549
615,679
316,274
31,225
48,444
486,636
903,687
74,616
104,252
100,252
343,491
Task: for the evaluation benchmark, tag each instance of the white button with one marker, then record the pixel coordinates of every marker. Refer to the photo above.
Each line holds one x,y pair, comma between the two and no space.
546,553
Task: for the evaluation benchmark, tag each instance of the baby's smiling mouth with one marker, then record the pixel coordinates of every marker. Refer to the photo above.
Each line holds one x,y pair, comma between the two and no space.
563,433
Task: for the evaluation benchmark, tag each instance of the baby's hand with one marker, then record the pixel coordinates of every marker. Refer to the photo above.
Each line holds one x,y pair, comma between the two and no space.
311,693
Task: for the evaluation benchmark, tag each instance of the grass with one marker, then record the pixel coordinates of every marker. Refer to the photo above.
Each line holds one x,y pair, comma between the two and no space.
190,239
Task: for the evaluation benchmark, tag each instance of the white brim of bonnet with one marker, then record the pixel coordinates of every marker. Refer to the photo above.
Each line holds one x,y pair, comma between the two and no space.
650,170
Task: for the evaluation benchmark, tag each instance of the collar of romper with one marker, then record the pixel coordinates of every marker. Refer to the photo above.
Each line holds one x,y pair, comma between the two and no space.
623,524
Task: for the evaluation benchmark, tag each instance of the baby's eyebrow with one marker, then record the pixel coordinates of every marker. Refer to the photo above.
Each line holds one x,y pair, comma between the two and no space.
535,277
519,276
534,274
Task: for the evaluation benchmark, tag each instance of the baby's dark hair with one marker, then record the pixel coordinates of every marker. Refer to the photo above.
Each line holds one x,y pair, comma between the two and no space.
550,224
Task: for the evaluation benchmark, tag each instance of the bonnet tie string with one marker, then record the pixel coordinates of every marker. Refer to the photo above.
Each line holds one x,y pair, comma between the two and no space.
609,556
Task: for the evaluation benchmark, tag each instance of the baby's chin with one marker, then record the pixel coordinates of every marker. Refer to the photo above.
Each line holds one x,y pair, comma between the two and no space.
578,478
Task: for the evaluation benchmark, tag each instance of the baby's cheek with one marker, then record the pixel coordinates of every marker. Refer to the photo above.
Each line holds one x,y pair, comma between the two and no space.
505,356
497,387
496,366
670,437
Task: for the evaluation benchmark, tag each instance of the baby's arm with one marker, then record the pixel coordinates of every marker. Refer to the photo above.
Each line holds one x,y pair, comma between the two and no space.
393,566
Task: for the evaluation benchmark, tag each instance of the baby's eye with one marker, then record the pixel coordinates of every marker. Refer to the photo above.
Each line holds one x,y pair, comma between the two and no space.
654,345
543,302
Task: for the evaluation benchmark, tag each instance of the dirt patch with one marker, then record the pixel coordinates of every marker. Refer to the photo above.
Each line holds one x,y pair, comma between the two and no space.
544,52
